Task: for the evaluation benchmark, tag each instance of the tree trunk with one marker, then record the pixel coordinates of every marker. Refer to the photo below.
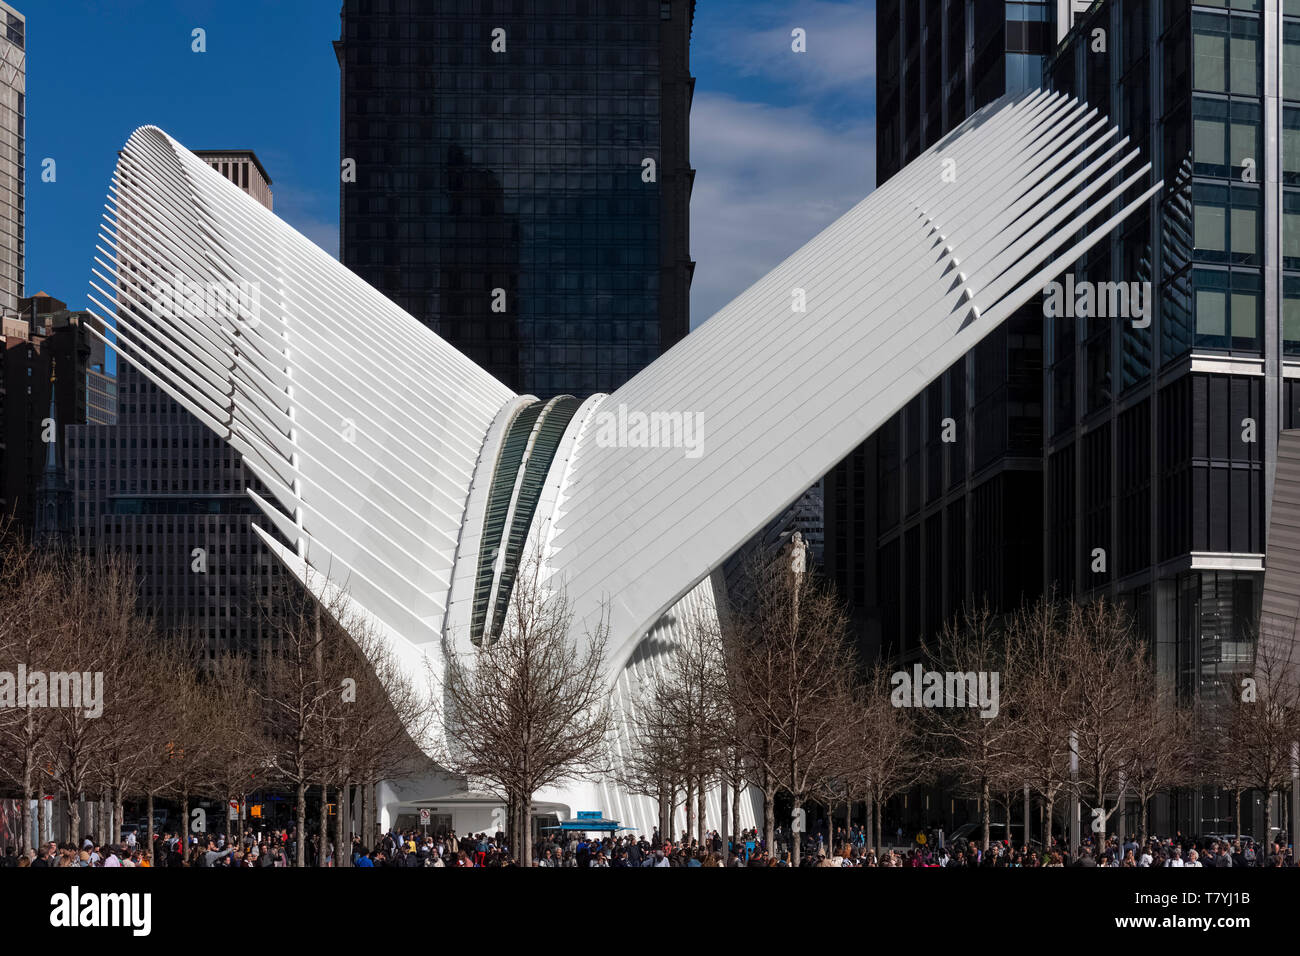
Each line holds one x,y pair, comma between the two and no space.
74,819
1267,841
119,811
984,812
830,828
300,825
1048,811
870,823
769,818
735,808
690,806
342,827
1100,839
723,820
185,823
25,813
879,812
796,839
322,848
363,823
517,839
525,808
702,796
376,822
149,834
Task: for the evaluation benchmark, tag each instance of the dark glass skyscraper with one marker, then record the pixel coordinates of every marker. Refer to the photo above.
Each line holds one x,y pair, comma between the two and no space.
1171,428
915,526
1138,452
522,178
1161,440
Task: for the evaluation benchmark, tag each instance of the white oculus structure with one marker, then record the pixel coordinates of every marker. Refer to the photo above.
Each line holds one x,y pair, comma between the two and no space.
410,478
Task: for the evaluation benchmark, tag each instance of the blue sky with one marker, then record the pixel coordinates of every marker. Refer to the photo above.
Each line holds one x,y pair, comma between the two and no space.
783,143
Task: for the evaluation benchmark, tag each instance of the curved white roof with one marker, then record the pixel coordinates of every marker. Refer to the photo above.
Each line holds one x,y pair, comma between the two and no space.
897,290
363,424
371,433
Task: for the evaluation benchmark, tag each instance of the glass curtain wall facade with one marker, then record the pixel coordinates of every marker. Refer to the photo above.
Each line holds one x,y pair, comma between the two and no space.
1159,439
523,179
915,525
13,156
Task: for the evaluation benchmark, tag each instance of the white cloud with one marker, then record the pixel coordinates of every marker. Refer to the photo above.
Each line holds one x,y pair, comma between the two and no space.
769,179
841,46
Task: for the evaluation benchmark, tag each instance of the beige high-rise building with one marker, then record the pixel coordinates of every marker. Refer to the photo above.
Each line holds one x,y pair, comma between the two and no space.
13,155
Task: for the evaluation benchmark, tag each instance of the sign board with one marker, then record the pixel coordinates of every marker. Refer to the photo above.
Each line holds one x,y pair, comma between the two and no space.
232,810
588,814
424,818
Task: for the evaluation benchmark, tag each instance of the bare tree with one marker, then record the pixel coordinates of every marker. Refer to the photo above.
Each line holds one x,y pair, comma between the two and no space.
889,746
976,747
1113,680
840,779
382,728
133,719
96,624
1043,680
1164,749
689,699
646,758
171,681
529,708
297,694
29,592
239,751
1262,722
790,665
193,731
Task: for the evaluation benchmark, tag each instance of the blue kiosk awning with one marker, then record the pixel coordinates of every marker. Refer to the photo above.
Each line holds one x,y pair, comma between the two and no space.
589,820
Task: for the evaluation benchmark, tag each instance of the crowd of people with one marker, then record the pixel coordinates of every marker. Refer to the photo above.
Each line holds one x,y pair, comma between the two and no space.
574,849
411,848
169,849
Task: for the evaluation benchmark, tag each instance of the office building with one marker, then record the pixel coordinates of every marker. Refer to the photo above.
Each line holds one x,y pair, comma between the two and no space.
1140,448
1161,441
522,179
47,374
13,156
944,501
157,487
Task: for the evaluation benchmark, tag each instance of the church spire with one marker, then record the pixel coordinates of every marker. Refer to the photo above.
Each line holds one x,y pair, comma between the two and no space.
52,446
53,504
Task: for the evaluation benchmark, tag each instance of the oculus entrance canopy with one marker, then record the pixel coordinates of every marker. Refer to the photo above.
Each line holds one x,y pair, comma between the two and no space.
402,473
